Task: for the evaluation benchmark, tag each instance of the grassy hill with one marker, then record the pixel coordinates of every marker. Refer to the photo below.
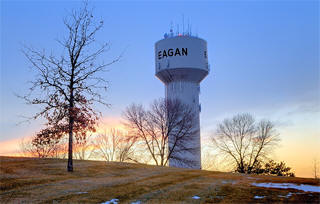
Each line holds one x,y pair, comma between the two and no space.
30,180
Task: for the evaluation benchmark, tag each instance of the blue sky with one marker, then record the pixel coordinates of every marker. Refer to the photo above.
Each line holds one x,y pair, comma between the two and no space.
264,58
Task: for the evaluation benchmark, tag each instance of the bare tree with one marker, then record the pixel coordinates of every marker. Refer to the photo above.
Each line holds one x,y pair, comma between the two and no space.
46,141
153,128
315,167
67,85
209,159
244,141
62,147
126,147
26,148
44,144
115,145
41,147
83,147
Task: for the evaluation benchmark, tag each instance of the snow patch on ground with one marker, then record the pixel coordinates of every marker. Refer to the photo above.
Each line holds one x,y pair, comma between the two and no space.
196,197
228,181
286,196
302,187
115,201
253,178
258,197
112,201
81,192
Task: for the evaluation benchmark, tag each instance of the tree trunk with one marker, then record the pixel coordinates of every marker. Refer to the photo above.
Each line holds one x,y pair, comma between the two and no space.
71,121
70,163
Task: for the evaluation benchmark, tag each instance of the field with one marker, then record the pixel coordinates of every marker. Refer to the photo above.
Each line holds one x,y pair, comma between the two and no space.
30,180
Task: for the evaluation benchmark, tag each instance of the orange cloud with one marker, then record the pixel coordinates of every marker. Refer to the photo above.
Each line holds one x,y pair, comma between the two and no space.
108,123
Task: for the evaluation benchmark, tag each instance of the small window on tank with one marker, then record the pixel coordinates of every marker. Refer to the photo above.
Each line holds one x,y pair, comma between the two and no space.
205,54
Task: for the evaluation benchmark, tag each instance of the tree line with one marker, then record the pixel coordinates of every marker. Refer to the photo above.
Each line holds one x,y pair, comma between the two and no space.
242,143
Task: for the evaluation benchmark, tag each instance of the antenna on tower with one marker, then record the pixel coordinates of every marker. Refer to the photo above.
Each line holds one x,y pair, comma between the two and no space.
182,24
189,34
171,29
178,29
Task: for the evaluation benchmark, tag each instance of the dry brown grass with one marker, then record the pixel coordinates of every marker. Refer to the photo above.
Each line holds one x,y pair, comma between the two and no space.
30,180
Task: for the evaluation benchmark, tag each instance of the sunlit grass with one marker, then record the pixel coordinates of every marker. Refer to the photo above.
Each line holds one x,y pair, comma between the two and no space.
46,180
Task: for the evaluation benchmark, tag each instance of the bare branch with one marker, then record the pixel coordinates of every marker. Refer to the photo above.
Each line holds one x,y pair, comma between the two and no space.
166,119
244,141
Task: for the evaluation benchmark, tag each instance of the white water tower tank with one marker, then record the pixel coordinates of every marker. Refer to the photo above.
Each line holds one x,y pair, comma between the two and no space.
181,63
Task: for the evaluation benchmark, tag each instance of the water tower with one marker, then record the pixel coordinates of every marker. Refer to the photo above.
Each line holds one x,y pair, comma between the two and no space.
181,62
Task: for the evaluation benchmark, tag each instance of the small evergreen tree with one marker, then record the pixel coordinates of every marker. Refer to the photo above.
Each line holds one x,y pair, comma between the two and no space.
273,168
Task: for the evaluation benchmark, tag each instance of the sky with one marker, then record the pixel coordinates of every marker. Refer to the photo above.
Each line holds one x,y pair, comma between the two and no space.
264,59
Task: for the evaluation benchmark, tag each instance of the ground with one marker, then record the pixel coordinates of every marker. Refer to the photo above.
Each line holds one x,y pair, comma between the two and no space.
31,180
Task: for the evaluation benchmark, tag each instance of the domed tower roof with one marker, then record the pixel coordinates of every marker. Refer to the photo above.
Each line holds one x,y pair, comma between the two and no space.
181,58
